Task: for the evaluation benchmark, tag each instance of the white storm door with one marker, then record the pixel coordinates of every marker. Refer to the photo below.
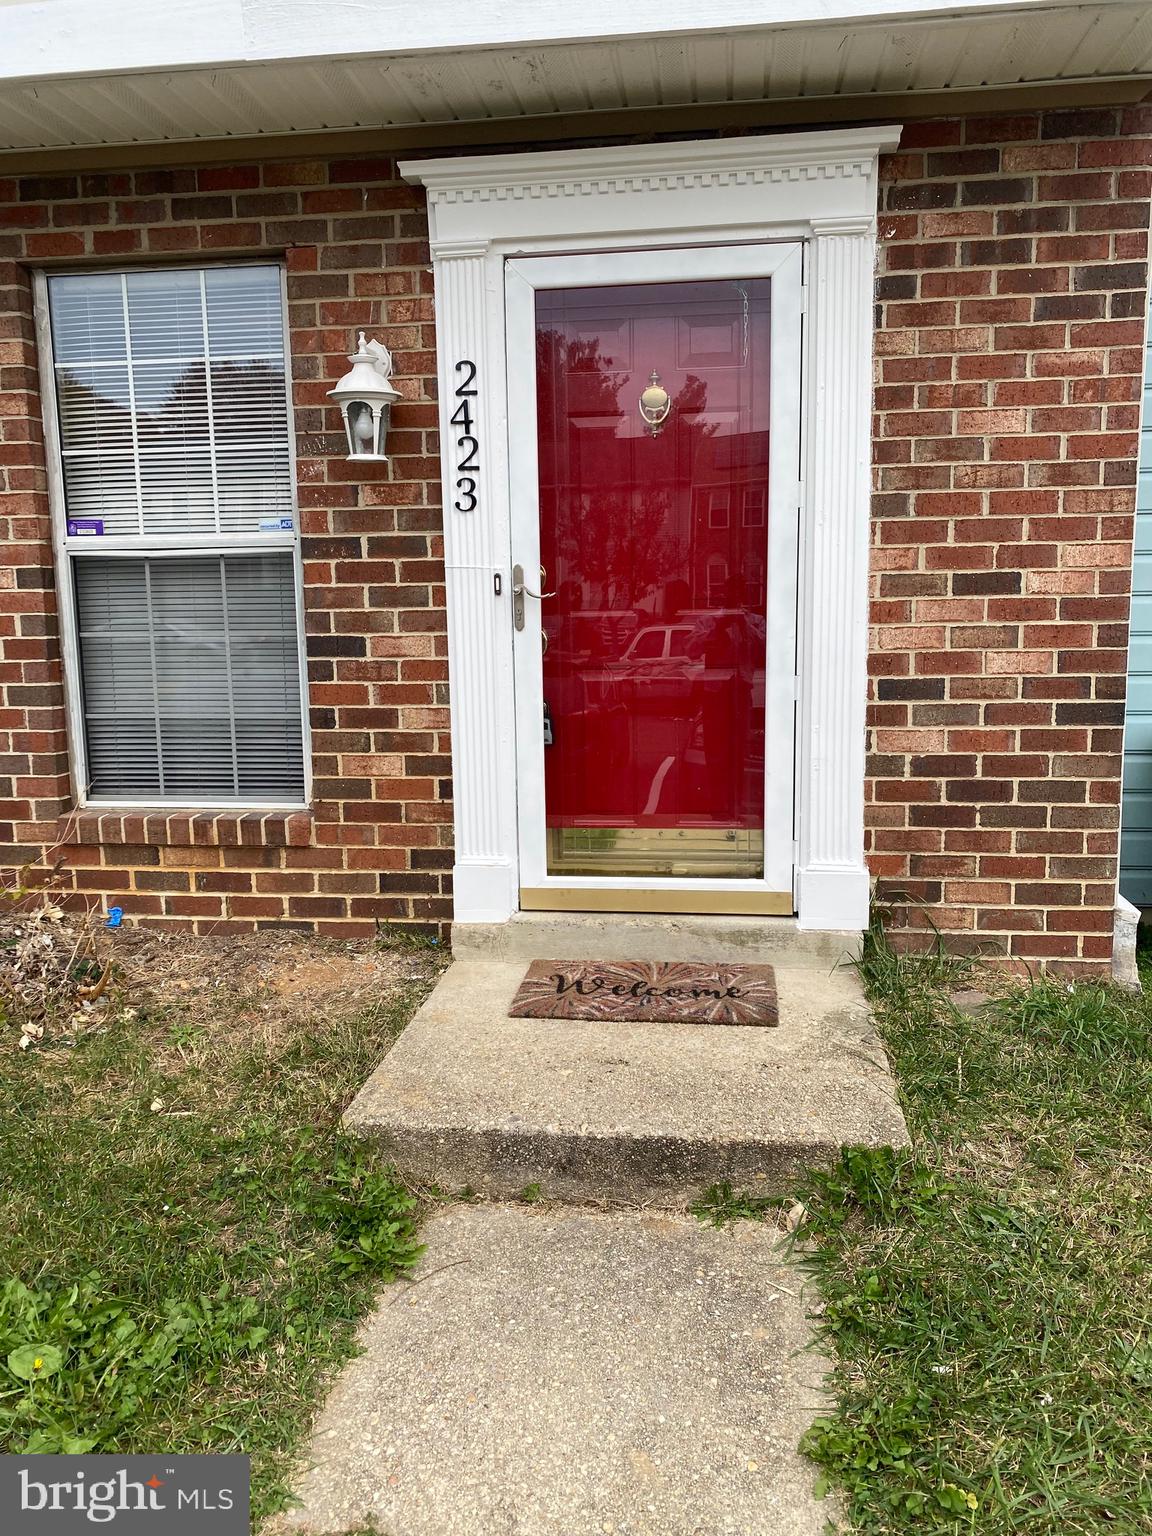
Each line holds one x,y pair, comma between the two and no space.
654,452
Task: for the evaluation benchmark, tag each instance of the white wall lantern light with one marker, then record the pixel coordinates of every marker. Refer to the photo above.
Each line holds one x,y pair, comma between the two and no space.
365,396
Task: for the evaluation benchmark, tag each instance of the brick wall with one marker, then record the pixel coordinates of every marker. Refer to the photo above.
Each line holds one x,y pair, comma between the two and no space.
1010,311
376,845
1012,293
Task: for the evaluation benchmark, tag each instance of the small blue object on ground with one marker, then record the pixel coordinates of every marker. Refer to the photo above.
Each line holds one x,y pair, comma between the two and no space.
115,917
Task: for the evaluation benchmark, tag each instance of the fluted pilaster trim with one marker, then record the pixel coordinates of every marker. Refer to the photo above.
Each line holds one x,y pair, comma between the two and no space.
832,878
469,313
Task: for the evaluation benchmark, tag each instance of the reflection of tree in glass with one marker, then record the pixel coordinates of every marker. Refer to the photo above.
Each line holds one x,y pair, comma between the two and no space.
87,409
557,356
247,401
633,497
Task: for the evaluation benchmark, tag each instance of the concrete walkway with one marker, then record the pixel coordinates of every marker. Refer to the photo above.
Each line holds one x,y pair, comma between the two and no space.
644,1113
559,1370
562,1372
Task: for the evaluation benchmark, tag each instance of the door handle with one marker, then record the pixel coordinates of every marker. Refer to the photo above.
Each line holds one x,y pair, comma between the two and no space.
520,591
518,583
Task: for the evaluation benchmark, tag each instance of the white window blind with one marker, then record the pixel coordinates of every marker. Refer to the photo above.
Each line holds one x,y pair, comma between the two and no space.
175,442
191,677
171,393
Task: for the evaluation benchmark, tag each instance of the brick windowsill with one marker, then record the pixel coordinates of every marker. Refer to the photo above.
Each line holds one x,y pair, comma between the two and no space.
188,829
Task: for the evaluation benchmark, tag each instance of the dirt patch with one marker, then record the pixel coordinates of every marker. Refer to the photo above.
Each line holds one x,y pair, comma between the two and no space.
63,974
291,975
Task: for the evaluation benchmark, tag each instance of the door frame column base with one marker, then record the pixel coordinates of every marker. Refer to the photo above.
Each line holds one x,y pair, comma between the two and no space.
484,890
833,897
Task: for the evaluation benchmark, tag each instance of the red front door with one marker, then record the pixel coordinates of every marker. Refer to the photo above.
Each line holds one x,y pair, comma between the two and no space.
653,454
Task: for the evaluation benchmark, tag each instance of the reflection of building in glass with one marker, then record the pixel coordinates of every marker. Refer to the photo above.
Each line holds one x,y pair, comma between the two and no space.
656,545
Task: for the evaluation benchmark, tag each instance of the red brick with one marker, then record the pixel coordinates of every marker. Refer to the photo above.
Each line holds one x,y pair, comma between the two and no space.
173,238
230,236
294,173
1103,445
930,134
115,242
49,247
141,211
1134,185
1001,129
915,258
1120,151
1113,215
227,178
1037,425
1073,248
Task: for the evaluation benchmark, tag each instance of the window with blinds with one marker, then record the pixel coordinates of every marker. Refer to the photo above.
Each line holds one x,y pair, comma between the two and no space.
172,407
191,677
179,530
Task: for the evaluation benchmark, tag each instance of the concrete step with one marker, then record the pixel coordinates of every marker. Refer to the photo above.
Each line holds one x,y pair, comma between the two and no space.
642,1113
559,1372
775,941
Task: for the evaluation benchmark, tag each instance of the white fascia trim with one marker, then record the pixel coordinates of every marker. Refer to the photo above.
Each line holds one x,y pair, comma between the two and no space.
69,41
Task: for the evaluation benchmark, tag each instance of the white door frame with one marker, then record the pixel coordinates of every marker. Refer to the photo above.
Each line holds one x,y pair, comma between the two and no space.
819,188
522,277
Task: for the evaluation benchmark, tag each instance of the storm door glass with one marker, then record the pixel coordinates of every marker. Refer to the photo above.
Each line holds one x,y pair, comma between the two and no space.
653,413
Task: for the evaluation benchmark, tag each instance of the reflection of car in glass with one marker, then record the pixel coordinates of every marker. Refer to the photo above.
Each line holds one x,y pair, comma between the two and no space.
663,661
581,649
658,642
657,664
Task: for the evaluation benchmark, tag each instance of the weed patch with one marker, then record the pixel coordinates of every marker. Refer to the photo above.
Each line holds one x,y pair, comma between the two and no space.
720,1204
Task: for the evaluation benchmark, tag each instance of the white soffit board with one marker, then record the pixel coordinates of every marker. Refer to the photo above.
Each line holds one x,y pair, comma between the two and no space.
723,59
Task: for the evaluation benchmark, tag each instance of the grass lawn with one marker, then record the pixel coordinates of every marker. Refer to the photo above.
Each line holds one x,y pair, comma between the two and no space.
186,1237
987,1298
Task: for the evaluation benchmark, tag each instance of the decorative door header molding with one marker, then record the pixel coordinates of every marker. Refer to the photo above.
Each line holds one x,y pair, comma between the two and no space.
810,176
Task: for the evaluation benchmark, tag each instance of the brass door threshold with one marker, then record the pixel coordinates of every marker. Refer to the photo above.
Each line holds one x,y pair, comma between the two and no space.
732,903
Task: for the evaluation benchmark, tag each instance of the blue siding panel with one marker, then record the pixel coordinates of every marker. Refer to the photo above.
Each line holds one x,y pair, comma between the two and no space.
1136,836
1138,778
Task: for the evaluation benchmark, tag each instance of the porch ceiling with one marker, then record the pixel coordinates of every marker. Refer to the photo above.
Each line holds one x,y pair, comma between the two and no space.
928,49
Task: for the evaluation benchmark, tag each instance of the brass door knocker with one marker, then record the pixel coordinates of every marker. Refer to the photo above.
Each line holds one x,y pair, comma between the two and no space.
655,404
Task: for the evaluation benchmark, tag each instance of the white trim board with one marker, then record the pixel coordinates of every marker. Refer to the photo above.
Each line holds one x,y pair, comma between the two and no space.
816,187
129,35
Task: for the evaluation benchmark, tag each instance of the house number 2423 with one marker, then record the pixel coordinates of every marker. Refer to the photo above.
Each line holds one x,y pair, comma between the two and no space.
467,445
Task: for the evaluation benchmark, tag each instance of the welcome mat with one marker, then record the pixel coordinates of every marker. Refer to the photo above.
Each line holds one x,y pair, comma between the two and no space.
627,991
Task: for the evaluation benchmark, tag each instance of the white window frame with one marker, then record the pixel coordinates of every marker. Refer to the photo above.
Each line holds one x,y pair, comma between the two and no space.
163,546
818,188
